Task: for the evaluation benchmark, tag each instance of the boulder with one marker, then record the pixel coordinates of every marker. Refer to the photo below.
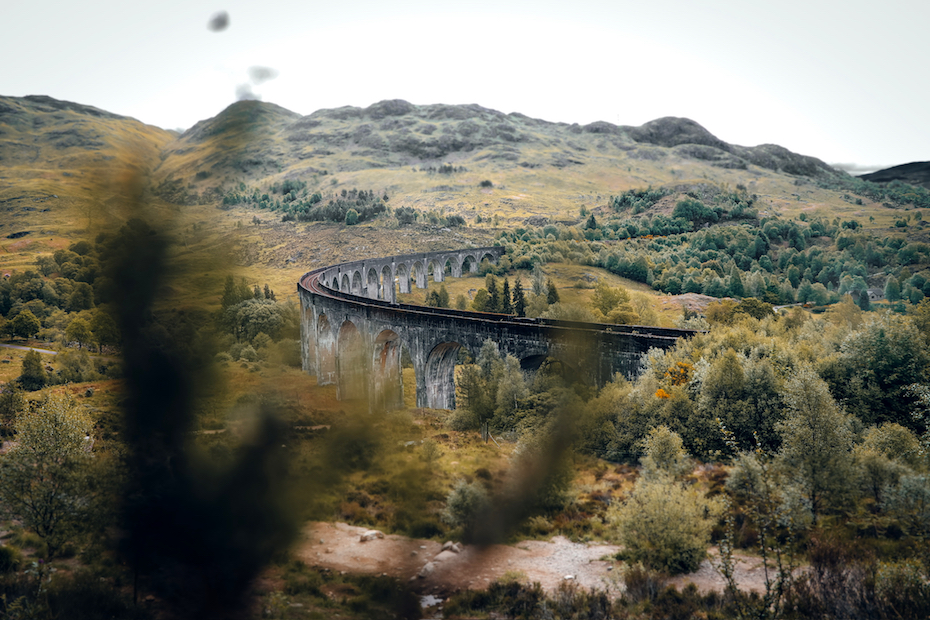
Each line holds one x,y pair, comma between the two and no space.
370,535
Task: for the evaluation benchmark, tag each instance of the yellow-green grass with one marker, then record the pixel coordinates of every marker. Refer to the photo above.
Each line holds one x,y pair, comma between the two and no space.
566,277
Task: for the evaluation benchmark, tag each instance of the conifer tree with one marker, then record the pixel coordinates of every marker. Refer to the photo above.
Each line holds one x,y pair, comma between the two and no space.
552,294
519,299
506,306
494,298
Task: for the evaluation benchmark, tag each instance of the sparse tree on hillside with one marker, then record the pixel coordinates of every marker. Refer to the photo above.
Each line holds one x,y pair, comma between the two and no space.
106,333
79,331
45,479
25,324
33,376
552,293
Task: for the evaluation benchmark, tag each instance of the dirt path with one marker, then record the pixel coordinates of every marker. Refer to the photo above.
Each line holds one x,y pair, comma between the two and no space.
338,547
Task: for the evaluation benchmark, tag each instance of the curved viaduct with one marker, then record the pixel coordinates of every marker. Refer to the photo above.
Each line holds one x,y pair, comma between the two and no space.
353,331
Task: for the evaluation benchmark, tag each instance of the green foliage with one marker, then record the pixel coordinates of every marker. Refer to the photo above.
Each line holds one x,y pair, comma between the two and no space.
247,319
876,366
816,443
612,305
909,501
105,331
33,376
664,454
45,479
12,404
76,367
465,504
351,218
552,293
406,215
79,331
25,325
665,525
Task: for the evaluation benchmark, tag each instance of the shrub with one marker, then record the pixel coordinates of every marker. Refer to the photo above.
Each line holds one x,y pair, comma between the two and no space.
464,504
666,525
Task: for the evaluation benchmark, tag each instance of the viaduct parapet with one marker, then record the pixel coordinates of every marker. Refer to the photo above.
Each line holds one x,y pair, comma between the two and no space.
353,332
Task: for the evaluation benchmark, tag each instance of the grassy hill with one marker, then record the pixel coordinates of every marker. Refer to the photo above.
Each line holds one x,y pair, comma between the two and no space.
69,170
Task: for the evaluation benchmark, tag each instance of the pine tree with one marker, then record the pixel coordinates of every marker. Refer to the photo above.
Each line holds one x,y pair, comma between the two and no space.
494,298
519,299
552,294
506,306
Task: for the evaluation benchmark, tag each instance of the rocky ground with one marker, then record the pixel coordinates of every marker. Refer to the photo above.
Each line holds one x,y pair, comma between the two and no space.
339,546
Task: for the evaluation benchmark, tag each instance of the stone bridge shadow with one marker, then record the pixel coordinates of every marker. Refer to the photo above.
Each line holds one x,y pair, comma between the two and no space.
353,331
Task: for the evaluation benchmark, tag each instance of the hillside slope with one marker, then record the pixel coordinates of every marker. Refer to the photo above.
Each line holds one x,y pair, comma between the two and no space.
256,142
60,158
914,173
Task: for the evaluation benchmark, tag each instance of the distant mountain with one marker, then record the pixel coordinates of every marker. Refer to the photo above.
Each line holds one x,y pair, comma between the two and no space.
914,173
253,140
464,159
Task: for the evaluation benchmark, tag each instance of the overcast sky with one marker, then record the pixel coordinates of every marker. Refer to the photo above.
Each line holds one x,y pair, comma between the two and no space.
842,81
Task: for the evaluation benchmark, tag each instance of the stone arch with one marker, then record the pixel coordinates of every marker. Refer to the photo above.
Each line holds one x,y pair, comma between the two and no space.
403,277
326,351
533,362
419,274
388,292
386,375
439,375
357,283
451,267
555,365
469,264
346,284
373,283
351,367
335,284
490,258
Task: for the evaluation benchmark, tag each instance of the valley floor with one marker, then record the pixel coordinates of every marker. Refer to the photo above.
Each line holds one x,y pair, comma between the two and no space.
337,546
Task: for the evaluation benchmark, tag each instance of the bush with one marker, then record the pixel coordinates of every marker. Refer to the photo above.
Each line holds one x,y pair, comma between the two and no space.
464,504
10,559
666,525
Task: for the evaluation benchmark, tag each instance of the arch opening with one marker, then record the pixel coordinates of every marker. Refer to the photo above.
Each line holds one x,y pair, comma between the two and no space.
373,284
388,292
346,285
469,264
357,283
435,271
403,278
440,375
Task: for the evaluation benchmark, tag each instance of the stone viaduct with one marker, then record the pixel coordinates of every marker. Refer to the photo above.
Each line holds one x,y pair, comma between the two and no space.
353,332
